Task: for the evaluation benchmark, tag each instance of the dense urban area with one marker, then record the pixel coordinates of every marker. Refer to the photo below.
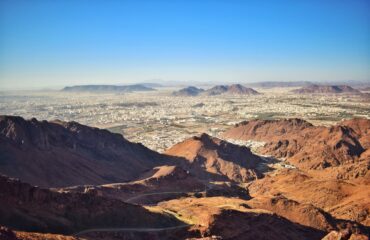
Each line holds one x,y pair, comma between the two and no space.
158,120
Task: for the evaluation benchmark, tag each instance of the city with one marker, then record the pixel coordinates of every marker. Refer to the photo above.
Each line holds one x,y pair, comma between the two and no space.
159,120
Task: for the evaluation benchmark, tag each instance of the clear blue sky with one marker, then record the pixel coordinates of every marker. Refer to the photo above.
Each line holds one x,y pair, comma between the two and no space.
56,42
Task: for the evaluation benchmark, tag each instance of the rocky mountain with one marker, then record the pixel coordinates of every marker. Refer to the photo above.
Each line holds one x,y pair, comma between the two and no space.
326,89
59,154
212,158
108,88
155,185
307,146
302,213
256,224
361,127
263,130
294,190
201,187
160,184
234,89
29,208
188,91
232,218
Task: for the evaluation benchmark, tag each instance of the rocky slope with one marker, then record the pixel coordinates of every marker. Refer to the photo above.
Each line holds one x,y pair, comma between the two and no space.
302,213
29,208
307,146
212,158
231,218
329,190
342,199
58,154
361,128
158,184
214,185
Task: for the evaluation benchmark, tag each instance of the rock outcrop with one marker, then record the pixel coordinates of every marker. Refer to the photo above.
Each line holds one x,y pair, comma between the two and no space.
307,146
28,208
59,154
212,158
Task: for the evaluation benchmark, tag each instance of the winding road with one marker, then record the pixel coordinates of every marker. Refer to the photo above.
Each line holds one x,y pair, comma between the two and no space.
129,229
136,229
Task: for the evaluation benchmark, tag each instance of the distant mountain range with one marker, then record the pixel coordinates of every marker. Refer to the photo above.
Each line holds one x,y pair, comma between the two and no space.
234,89
108,88
326,89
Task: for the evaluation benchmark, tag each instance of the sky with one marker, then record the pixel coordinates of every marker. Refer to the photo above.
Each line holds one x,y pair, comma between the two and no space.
57,43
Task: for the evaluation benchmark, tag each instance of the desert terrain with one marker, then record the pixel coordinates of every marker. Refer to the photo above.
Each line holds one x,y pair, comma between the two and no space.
225,163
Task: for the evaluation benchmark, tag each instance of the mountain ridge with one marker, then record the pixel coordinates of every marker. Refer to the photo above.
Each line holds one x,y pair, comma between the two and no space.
108,88
305,145
328,89
38,151
233,89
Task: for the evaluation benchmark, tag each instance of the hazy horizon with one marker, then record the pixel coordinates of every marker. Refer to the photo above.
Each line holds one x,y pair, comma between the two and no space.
52,44
180,84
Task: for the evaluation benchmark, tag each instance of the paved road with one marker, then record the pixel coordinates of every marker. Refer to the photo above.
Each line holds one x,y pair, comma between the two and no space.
129,229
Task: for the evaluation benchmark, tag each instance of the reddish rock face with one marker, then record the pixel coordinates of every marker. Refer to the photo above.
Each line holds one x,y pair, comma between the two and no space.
302,197
29,208
307,146
212,158
258,225
58,154
328,191
361,127
262,130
